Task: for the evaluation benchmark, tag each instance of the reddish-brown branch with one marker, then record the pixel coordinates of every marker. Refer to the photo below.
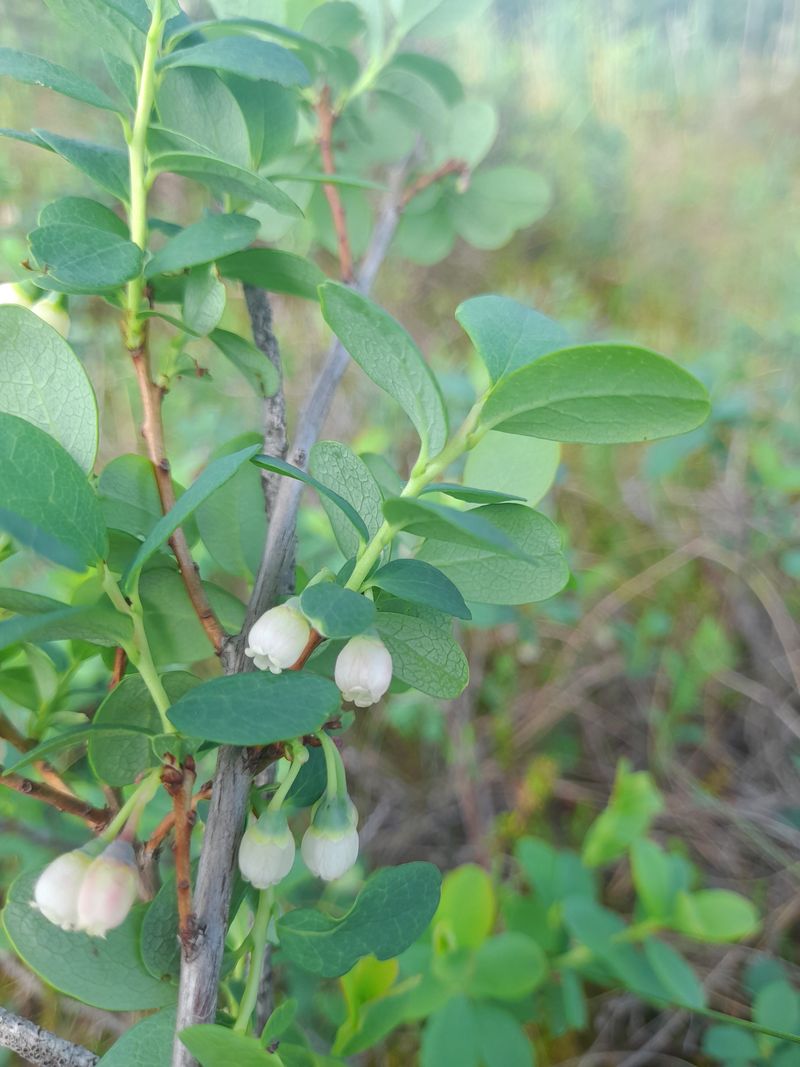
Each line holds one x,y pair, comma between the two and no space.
156,839
120,663
179,782
326,118
452,166
96,818
153,431
9,732
313,640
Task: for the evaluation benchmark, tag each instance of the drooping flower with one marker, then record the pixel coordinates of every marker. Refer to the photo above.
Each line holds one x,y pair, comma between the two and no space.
56,891
277,639
330,844
267,850
363,670
109,889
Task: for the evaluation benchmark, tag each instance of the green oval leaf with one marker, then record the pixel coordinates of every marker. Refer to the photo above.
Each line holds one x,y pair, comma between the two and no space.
119,760
274,270
507,334
597,394
340,469
97,623
423,655
202,242
673,971
84,259
203,299
199,105
217,473
391,911
524,466
82,211
147,1044
421,583
219,1046
715,915
106,973
257,709
336,612
75,734
257,368
469,494
33,70
508,966
280,466
470,528
490,577
224,177
387,354
43,382
246,56
233,522
107,167
45,499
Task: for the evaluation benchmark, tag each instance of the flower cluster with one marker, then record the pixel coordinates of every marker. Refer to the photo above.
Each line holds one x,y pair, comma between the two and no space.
330,844
278,639
78,892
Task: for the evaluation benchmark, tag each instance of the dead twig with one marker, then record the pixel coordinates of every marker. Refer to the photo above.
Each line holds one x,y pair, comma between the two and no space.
96,818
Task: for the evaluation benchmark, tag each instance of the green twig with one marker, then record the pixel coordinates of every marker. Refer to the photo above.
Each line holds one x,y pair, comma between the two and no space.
258,937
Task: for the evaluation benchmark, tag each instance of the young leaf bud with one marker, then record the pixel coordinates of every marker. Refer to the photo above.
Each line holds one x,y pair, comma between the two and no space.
266,853
277,639
108,890
363,670
330,844
56,891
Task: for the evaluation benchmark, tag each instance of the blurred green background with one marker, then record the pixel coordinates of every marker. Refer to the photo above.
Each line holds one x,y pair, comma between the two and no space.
666,132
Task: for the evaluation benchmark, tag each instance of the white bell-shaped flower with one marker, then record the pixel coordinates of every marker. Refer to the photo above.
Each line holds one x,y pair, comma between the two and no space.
330,844
267,851
363,670
11,293
277,639
109,889
55,894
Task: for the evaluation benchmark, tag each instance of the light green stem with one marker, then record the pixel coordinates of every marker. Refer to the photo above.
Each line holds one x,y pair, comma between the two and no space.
138,648
141,796
299,757
137,165
465,438
258,937
334,768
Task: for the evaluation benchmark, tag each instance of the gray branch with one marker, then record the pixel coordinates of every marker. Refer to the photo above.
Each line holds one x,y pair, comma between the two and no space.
200,967
35,1045
275,438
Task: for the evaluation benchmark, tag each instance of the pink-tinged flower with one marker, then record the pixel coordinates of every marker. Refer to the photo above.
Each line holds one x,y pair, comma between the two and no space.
266,853
330,844
277,639
363,670
109,889
56,891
